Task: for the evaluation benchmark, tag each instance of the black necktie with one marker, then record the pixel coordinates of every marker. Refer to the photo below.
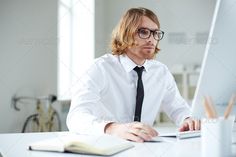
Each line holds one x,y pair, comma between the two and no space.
140,94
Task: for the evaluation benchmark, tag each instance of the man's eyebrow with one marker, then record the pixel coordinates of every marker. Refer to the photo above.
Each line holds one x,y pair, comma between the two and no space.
149,28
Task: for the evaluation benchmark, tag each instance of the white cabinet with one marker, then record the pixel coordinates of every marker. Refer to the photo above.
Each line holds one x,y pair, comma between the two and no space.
186,81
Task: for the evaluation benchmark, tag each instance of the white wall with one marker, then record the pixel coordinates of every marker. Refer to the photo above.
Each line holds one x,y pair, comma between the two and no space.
101,22
28,56
185,18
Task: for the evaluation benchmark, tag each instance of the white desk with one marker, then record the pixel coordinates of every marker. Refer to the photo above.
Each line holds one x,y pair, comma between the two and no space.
14,145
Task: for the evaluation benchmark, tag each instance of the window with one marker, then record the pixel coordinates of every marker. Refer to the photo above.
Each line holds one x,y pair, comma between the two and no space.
75,42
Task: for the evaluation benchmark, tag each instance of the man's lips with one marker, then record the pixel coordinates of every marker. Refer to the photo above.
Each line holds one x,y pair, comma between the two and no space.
148,47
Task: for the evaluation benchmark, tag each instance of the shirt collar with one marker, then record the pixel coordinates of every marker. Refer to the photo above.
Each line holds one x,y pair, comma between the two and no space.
129,65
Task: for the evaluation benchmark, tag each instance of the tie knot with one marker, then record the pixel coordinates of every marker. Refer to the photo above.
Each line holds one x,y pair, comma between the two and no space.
139,70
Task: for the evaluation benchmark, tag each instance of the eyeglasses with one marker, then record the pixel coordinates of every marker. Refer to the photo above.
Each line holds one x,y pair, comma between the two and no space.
145,33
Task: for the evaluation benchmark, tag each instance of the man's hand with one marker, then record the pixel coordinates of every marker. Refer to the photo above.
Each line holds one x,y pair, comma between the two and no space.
135,131
190,124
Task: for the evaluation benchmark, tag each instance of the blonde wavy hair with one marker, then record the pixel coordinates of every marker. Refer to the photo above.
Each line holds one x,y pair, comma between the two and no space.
123,34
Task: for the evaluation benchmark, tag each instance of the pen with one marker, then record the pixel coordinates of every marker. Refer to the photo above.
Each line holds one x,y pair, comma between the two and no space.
213,110
209,108
229,106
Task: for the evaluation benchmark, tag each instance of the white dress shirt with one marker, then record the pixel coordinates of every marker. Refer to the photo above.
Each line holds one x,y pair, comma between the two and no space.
107,93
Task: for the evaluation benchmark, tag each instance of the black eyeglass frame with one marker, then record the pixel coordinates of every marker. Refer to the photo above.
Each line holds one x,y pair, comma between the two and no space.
150,32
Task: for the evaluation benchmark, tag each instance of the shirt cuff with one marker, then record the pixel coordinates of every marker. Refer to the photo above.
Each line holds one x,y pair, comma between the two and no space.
183,117
98,127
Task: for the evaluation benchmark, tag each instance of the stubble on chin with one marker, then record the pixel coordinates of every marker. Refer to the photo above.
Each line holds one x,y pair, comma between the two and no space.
150,55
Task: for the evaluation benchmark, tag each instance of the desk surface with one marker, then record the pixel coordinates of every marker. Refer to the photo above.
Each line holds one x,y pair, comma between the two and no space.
12,145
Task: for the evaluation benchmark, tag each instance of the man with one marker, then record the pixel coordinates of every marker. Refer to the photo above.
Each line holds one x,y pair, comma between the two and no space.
122,92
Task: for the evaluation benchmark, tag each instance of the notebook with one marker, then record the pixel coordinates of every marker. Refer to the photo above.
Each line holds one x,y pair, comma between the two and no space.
83,144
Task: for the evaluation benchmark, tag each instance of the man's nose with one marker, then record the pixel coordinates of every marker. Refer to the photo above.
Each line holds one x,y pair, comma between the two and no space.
151,39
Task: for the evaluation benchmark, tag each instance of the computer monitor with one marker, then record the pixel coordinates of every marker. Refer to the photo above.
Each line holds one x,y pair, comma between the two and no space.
218,74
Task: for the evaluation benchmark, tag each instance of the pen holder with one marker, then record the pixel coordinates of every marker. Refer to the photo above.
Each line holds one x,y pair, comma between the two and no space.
216,137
